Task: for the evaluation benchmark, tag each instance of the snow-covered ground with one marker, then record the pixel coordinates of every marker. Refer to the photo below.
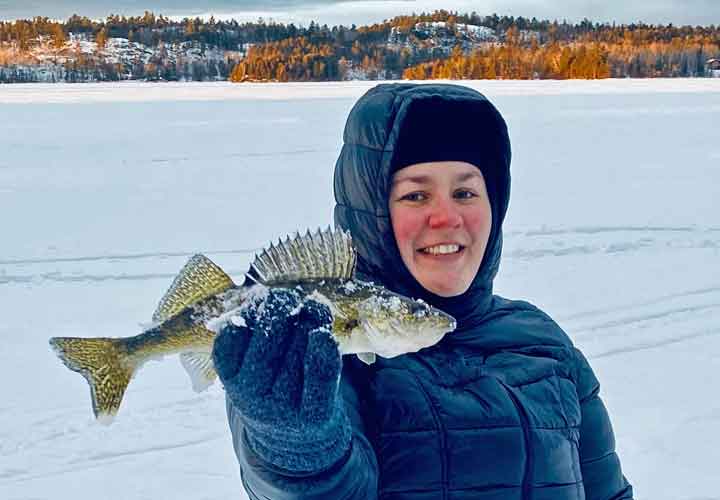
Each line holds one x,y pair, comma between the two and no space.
105,190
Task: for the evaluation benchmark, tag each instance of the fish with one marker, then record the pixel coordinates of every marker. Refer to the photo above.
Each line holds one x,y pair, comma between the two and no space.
368,320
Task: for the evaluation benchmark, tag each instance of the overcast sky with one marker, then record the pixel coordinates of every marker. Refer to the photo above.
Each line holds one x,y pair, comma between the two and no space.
332,12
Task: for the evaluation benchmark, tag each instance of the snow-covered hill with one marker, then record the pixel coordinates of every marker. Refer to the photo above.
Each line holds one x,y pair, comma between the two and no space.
81,59
444,36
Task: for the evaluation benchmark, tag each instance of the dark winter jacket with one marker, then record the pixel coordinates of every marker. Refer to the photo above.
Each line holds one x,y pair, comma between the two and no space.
503,408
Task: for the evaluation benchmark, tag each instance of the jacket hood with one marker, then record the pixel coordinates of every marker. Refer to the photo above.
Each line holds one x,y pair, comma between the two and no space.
373,149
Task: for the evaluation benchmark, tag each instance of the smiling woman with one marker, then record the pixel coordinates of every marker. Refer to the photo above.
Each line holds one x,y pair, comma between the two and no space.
441,219
504,406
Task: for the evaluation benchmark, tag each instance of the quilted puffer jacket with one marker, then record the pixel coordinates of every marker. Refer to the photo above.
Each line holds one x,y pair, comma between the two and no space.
503,408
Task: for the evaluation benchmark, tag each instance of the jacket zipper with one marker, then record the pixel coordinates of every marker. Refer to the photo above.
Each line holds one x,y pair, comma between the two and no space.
527,476
441,434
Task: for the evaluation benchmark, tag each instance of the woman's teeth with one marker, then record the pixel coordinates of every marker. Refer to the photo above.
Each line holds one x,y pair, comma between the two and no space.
441,249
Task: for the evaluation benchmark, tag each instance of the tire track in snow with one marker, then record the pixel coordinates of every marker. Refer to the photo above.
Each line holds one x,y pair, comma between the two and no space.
60,429
531,233
561,242
58,277
581,332
150,449
126,257
612,229
528,245
86,442
104,459
259,154
125,260
642,346
651,324
635,305
92,278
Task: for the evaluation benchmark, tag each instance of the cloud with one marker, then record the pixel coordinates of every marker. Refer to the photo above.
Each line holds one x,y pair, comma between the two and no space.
99,9
331,12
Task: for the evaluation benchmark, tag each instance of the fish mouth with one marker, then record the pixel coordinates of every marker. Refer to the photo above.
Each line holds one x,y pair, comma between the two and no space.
397,337
452,322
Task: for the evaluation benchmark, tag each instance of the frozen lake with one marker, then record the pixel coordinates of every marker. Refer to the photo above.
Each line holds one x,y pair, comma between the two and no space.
107,189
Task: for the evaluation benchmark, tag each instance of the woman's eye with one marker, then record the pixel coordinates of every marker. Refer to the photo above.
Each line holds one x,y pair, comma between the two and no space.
416,196
464,194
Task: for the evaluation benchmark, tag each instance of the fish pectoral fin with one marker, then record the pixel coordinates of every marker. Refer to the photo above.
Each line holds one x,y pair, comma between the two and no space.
200,367
367,357
198,279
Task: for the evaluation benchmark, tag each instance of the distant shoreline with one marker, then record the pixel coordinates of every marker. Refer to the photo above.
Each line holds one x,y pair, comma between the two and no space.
437,45
133,91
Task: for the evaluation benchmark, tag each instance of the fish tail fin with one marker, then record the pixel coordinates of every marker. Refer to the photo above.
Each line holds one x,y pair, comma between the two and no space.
106,366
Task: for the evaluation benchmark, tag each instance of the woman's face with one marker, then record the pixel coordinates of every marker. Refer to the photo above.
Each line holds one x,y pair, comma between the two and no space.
441,219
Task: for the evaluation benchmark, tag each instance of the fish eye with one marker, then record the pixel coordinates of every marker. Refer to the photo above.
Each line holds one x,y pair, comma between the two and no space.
417,310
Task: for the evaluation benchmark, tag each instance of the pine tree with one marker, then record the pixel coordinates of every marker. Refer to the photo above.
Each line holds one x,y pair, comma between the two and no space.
58,36
101,39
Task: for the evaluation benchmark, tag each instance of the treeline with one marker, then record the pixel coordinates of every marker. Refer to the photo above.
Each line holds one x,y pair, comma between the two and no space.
86,69
528,49
300,60
305,59
428,45
149,29
584,60
553,31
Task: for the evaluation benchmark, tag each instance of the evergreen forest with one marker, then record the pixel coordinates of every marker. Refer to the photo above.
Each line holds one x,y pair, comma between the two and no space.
437,45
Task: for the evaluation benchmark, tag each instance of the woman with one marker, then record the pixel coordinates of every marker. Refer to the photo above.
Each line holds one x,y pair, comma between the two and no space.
504,407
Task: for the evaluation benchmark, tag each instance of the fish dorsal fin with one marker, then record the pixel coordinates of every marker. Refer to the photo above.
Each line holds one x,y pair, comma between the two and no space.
198,279
314,256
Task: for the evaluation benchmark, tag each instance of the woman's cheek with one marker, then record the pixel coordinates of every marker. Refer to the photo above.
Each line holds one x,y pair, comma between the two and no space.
479,220
406,225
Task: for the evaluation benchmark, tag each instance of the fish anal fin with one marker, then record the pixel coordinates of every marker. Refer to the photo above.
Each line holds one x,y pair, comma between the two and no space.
198,279
200,368
367,357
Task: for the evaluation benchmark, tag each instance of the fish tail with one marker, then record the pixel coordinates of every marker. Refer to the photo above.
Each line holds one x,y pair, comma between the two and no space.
105,364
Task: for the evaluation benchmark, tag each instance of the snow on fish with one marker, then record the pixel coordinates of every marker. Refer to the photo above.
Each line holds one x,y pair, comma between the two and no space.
368,320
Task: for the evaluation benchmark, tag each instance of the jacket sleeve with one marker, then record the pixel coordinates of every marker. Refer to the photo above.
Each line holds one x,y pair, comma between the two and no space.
600,465
353,477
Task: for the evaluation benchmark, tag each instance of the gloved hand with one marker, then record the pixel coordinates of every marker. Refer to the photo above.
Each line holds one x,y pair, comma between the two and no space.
281,372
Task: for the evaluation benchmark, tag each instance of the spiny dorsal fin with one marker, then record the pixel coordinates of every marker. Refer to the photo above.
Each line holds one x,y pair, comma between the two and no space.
198,279
314,256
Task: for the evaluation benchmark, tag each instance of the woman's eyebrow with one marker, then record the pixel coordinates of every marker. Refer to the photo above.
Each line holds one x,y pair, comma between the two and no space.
425,179
469,175
418,179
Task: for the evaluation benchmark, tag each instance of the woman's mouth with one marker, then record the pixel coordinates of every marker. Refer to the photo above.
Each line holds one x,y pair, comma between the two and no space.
444,249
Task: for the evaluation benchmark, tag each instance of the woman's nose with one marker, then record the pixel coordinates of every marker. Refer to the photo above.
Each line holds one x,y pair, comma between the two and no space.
444,214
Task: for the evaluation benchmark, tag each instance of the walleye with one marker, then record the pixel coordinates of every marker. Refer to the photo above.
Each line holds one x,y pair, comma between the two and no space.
368,319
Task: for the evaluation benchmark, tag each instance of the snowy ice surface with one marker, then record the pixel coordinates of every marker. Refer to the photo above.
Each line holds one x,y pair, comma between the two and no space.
106,190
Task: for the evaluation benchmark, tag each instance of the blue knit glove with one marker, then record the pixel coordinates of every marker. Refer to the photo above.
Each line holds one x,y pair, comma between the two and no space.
281,372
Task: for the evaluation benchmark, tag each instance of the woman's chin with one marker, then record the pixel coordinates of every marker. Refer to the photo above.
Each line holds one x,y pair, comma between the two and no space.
446,288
